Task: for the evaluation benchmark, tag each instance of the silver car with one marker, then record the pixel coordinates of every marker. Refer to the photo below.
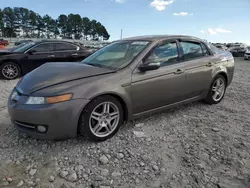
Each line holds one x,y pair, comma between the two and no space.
122,81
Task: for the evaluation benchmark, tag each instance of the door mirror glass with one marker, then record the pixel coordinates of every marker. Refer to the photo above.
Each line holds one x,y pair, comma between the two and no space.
148,67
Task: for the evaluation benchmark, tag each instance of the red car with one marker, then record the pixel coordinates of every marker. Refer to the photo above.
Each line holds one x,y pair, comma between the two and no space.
4,42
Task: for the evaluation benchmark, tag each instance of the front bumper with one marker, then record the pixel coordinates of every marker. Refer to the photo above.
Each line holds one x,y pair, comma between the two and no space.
60,119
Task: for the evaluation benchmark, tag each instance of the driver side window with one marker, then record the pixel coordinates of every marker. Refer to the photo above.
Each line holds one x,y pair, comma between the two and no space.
165,54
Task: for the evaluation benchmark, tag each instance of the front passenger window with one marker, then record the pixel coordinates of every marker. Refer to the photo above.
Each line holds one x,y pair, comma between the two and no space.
165,54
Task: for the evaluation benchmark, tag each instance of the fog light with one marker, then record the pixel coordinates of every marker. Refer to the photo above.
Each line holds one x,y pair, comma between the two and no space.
41,128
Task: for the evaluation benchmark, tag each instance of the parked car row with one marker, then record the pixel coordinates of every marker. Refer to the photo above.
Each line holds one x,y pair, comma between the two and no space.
237,49
126,79
26,57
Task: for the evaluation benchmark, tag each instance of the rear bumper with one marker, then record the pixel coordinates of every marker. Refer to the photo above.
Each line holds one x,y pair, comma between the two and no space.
61,119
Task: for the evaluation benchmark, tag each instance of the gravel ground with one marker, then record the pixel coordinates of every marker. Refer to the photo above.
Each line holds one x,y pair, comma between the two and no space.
195,145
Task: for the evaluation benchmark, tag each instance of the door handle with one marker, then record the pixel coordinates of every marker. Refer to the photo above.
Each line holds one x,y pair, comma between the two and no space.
74,54
51,56
209,64
179,71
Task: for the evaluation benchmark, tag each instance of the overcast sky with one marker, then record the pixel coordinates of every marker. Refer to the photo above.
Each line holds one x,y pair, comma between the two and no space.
214,20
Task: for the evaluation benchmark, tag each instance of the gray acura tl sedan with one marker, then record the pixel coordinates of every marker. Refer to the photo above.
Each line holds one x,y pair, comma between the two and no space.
121,81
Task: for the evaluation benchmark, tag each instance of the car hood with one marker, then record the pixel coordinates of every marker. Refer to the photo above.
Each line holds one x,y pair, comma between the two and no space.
51,74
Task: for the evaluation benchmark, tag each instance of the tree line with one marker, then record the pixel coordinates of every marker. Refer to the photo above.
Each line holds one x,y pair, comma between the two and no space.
22,22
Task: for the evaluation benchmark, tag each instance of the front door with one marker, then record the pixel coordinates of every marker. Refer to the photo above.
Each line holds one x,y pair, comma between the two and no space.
40,54
199,64
157,88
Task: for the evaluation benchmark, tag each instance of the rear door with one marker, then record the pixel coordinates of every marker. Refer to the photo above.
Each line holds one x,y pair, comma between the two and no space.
66,52
199,64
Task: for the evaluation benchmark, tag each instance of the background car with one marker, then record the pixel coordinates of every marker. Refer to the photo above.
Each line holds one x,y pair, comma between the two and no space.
221,47
26,57
237,51
247,53
21,42
4,42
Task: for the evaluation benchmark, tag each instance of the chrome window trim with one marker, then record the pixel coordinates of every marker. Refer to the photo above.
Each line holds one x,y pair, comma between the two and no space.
36,46
53,43
77,47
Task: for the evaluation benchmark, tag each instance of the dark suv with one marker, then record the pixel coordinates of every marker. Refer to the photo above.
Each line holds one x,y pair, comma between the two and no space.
29,56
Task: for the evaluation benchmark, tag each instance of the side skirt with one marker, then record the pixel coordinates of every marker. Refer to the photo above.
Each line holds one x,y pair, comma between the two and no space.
159,109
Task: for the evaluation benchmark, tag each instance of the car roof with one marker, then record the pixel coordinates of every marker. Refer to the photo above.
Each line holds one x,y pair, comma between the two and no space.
160,37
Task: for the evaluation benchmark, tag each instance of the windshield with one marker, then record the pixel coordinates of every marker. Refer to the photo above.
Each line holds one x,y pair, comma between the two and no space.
116,55
23,47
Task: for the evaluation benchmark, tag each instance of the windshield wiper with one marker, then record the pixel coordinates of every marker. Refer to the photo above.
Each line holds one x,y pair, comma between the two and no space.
94,65
100,65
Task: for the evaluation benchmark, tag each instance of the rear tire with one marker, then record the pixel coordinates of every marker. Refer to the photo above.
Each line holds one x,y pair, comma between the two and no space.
217,90
10,70
96,119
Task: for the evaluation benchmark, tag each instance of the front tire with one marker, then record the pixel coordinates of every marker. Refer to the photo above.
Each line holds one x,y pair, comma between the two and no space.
10,70
217,90
101,118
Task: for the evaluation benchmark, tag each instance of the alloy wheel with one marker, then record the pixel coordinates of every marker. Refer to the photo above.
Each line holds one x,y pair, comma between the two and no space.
218,89
104,119
10,71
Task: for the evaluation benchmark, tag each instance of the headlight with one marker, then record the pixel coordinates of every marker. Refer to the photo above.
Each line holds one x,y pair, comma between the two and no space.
35,100
49,100
13,95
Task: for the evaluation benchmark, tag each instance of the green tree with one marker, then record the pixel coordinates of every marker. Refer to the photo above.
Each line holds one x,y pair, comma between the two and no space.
62,25
86,26
32,22
75,21
50,26
10,22
27,23
40,25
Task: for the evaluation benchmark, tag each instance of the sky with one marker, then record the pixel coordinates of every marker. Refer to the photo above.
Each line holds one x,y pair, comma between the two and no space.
213,20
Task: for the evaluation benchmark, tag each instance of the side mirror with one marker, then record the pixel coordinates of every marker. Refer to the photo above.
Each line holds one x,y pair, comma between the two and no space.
148,67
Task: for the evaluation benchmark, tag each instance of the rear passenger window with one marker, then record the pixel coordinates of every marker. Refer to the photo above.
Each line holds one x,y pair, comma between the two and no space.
205,50
65,46
191,50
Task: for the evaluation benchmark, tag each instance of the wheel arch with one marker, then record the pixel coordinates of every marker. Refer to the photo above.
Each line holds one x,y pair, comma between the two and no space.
11,61
224,74
125,106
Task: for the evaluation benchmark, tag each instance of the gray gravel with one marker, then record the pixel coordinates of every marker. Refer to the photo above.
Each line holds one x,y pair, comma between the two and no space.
191,146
